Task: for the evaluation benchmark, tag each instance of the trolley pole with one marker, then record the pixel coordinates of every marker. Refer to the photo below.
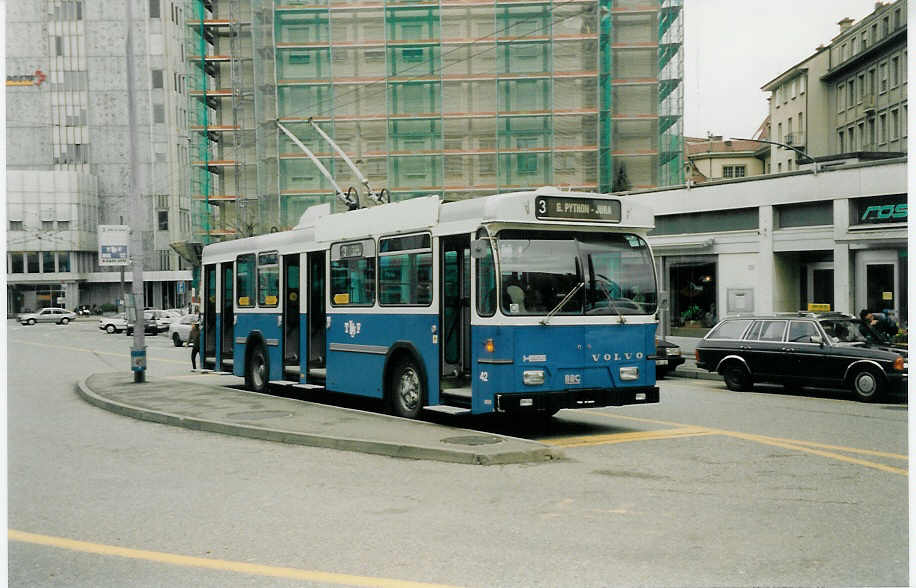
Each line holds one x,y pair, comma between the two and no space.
136,213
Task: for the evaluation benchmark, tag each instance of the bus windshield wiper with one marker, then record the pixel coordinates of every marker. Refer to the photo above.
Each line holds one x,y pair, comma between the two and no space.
562,303
610,301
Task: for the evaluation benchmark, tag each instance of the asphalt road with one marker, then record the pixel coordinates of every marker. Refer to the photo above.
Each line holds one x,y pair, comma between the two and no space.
709,487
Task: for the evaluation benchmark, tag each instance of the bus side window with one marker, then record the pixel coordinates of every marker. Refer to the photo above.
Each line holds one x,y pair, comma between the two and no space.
244,280
353,274
268,279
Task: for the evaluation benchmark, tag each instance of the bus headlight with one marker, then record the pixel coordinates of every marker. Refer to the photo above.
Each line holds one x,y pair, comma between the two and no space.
533,377
629,373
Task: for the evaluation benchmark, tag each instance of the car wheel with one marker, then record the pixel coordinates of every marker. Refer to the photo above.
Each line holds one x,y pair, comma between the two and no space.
660,373
867,385
110,329
31,321
736,378
406,389
257,370
64,321
176,340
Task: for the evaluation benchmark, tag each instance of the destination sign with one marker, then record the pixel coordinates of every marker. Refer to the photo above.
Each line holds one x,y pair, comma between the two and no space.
588,209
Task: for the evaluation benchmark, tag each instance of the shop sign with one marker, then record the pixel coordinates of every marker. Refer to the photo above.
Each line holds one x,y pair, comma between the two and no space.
32,79
883,209
817,307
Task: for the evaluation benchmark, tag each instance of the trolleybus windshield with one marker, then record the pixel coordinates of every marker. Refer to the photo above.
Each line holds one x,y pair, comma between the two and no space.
539,268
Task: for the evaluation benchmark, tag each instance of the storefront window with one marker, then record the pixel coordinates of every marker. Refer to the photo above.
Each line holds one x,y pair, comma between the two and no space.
692,285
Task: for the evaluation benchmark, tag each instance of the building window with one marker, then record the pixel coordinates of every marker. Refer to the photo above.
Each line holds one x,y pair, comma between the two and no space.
47,262
885,26
63,225
63,261
808,214
58,46
850,93
158,113
840,141
157,78
882,76
840,95
895,124
895,72
163,220
882,128
734,171
861,86
16,265
32,266
47,225
16,225
154,8
165,260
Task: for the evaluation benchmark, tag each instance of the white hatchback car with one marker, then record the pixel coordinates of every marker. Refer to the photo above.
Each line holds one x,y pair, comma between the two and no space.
180,330
113,324
61,316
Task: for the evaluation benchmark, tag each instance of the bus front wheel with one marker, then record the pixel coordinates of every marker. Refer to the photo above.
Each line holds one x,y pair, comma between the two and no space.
257,370
407,389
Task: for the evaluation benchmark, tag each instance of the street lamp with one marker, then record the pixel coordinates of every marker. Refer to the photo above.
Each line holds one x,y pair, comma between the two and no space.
795,149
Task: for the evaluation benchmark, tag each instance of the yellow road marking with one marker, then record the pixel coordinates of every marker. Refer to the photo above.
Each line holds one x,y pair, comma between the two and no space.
213,564
69,348
804,446
626,437
828,454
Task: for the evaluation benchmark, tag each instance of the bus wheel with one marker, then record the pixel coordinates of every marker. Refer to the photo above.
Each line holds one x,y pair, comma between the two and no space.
257,370
407,389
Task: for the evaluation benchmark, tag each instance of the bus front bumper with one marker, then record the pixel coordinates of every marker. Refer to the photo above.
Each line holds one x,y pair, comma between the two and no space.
577,398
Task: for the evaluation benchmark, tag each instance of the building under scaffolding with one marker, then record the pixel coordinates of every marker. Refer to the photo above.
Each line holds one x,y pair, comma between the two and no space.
453,97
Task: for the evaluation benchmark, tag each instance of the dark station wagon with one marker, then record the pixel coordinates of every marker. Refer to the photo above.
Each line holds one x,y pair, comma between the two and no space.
829,350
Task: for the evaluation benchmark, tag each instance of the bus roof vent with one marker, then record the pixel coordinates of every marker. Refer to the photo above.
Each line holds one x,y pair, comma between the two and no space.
312,214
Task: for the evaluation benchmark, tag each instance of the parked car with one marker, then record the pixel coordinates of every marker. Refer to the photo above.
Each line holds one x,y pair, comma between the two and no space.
151,324
61,316
166,318
806,349
180,330
668,357
113,324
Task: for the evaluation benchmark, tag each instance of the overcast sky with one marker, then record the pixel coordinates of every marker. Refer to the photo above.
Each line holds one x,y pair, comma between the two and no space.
733,47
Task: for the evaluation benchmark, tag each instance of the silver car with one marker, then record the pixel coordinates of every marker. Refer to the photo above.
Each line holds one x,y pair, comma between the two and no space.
113,324
61,316
180,330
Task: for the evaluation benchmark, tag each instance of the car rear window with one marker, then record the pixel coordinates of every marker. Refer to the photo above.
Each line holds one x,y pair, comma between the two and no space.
729,329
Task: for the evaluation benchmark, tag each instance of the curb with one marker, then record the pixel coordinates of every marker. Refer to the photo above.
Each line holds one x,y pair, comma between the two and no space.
307,439
694,375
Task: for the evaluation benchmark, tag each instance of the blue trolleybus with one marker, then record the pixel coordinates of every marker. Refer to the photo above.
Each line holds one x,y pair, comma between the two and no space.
526,301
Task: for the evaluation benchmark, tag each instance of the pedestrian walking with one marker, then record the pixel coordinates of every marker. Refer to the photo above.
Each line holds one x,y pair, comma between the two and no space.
194,341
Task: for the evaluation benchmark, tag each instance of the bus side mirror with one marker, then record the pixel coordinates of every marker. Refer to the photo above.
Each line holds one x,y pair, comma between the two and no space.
480,248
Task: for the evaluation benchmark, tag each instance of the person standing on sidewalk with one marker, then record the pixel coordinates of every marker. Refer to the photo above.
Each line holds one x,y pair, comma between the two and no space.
194,341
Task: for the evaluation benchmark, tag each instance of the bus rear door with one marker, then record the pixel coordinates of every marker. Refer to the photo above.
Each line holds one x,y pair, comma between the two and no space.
291,317
208,353
317,319
227,332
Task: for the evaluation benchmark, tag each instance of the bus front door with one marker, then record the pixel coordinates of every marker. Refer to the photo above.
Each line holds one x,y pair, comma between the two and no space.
317,319
455,313
291,317
227,331
208,353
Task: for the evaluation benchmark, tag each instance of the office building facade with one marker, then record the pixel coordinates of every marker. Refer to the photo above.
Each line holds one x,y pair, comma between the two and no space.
67,149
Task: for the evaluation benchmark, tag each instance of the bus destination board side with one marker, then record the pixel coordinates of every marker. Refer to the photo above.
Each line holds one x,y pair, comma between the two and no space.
587,209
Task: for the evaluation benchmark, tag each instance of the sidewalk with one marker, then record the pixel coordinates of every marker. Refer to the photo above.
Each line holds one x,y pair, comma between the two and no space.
193,403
